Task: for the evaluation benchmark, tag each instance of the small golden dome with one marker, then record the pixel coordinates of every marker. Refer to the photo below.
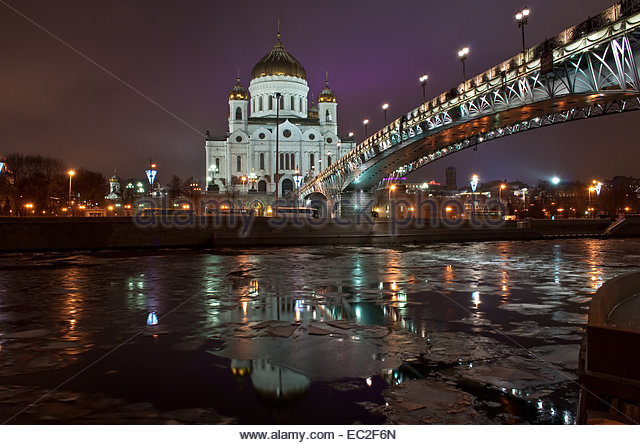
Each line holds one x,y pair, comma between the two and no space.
238,92
327,95
278,62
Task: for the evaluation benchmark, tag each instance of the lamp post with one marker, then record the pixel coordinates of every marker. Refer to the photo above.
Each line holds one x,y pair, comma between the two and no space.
423,81
244,180
277,175
297,180
151,175
462,54
591,189
502,187
522,17
392,188
385,107
365,122
71,173
474,186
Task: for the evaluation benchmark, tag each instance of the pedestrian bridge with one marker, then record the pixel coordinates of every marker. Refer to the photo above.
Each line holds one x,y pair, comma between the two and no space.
586,71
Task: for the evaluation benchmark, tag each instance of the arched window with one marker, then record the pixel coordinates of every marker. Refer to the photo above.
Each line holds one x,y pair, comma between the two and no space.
301,105
293,103
281,104
238,114
312,161
286,161
293,161
328,114
217,164
239,163
261,161
281,166
328,161
261,104
262,186
271,102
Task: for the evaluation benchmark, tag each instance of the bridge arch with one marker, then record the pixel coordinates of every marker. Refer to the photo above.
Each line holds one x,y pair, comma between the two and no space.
586,71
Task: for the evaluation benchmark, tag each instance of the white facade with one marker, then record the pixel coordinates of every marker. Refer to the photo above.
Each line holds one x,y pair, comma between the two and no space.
308,136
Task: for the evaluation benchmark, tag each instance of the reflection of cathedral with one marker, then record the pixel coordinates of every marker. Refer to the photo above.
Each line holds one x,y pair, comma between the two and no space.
308,136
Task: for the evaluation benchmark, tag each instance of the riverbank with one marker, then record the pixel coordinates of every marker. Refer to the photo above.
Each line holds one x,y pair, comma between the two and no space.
42,234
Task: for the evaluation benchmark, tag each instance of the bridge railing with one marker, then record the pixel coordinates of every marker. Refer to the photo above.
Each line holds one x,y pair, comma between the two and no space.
540,57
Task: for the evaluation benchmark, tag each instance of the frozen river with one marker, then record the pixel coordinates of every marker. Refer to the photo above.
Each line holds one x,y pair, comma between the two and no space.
456,333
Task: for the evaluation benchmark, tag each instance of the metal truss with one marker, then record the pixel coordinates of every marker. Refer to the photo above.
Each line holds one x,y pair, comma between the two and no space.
602,63
573,114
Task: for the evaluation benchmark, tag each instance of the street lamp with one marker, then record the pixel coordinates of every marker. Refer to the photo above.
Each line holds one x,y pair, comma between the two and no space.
555,180
502,187
462,54
591,189
392,188
71,173
474,185
297,181
244,180
423,82
351,135
522,17
385,107
365,122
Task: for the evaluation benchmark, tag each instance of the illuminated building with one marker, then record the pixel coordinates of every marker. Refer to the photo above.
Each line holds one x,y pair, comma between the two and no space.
308,138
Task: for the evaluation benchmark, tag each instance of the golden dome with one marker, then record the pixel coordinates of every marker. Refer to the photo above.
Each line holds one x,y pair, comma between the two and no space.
278,62
238,92
327,95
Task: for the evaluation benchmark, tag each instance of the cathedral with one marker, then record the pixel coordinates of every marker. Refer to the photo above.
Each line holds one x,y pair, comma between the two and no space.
308,138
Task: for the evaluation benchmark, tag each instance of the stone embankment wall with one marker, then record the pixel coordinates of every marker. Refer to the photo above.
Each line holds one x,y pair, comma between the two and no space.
17,234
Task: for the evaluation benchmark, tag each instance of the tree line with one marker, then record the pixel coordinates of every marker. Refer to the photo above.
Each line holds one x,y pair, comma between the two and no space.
40,185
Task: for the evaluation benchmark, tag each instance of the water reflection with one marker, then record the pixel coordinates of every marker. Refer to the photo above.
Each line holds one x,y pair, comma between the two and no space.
536,292
273,384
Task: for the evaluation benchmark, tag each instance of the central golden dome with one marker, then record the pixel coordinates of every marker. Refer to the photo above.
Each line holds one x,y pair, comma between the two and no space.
278,62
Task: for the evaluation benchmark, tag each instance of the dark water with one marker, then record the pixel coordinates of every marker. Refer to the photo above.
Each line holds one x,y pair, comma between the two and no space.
501,321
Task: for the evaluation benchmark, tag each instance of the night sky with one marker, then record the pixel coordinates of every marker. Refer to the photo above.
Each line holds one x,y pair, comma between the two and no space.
184,56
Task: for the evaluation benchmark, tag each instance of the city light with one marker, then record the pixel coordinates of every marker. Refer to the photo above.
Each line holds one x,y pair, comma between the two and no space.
152,319
474,183
522,17
555,180
423,82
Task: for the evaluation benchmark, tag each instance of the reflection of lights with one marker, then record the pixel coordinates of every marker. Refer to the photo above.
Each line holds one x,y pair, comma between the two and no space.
244,307
152,319
540,404
394,286
358,313
381,286
475,296
369,381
